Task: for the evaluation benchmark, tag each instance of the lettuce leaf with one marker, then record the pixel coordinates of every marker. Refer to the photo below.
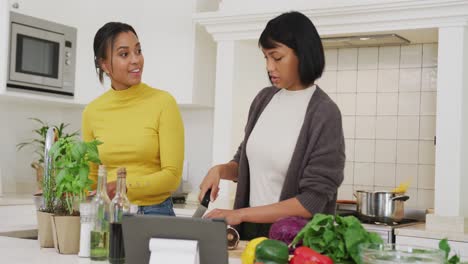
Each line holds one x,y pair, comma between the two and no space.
335,236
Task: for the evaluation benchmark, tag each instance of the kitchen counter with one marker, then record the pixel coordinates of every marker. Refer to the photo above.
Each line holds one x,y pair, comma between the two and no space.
419,230
185,210
18,216
18,220
419,236
26,251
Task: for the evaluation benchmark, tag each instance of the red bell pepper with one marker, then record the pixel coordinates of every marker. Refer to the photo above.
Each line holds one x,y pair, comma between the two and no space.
305,255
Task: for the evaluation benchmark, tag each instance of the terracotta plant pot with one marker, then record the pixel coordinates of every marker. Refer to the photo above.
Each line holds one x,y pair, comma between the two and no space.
66,234
44,229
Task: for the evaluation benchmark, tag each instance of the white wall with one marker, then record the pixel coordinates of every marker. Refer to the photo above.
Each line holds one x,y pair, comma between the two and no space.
204,68
207,5
19,177
250,77
387,98
464,180
198,139
3,43
167,35
165,30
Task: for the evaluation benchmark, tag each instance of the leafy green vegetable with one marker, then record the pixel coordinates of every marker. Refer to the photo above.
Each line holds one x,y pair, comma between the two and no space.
444,245
71,163
337,237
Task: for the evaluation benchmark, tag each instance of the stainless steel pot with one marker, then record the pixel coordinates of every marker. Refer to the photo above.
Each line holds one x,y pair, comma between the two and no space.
381,205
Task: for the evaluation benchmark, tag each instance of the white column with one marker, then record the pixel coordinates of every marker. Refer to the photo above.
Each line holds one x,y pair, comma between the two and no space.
222,125
223,102
451,179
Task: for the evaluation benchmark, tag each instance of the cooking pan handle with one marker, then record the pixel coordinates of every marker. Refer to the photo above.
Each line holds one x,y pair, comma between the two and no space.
400,198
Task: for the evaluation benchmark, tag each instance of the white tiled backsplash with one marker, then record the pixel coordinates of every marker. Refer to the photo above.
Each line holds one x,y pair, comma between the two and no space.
387,96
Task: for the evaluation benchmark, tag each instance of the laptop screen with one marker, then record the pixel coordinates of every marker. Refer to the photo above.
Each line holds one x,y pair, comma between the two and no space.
210,234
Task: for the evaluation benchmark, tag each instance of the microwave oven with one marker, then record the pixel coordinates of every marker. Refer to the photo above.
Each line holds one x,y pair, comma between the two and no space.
42,56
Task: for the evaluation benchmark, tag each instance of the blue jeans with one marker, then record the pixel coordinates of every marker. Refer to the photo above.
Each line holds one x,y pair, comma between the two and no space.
164,208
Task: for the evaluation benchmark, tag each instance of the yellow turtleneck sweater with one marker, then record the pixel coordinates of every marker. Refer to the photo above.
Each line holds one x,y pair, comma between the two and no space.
141,129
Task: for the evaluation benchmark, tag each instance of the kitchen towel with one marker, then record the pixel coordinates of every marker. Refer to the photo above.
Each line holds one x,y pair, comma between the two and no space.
165,250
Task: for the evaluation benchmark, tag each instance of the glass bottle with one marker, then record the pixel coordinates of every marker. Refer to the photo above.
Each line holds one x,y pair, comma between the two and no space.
101,207
119,206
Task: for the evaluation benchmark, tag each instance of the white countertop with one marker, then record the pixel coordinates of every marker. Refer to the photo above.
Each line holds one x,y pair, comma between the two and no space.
419,230
25,251
18,215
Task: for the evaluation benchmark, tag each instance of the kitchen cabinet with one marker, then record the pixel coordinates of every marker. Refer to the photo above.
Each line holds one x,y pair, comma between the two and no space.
460,248
17,216
418,236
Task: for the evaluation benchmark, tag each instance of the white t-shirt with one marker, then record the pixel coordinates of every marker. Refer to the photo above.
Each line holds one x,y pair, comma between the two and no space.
272,142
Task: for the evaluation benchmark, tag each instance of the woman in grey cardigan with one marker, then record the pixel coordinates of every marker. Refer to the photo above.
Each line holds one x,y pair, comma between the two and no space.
291,160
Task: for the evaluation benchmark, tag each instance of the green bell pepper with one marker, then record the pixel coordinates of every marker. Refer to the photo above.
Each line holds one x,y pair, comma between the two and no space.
272,252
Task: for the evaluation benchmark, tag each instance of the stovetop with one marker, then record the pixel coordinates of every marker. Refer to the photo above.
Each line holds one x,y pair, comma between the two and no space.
377,223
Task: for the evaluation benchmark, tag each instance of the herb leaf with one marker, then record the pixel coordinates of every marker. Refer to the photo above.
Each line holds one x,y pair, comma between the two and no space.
71,162
444,245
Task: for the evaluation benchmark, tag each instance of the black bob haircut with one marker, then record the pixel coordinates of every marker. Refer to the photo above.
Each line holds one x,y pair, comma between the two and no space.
104,39
296,31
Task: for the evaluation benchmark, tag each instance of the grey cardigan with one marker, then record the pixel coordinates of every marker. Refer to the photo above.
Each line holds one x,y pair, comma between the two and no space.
316,168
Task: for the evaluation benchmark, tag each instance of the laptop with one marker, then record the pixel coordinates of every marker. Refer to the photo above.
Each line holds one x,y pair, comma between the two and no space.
139,229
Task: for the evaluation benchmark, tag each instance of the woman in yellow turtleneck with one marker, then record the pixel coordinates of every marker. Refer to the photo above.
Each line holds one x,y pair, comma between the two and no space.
140,126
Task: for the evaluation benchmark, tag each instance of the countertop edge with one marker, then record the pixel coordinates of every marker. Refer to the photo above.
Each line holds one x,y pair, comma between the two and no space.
419,230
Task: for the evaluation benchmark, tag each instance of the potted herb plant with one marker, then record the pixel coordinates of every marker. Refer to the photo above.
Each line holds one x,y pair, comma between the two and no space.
39,144
45,197
71,160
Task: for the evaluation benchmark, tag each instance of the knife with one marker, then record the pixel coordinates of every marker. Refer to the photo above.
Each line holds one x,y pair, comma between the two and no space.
203,205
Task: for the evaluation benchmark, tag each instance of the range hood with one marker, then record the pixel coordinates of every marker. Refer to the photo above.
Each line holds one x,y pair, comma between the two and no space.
364,41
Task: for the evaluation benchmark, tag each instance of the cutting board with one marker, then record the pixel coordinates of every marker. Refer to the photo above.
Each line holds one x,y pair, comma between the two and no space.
236,253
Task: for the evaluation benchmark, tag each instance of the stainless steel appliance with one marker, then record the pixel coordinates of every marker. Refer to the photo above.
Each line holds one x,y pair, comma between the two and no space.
381,205
42,56
385,229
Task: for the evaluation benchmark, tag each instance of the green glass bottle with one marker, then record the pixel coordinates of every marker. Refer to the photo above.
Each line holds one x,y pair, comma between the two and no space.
100,231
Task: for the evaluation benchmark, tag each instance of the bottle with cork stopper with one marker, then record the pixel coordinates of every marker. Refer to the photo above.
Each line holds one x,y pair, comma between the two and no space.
120,205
